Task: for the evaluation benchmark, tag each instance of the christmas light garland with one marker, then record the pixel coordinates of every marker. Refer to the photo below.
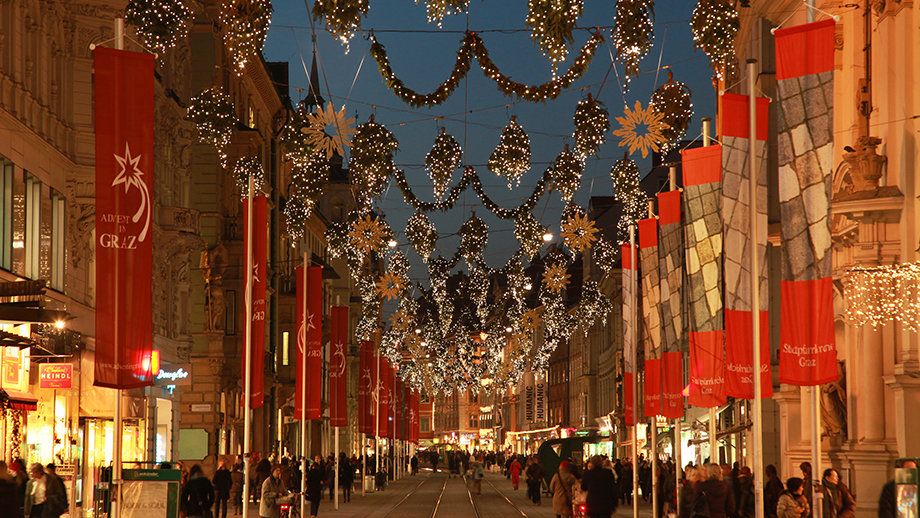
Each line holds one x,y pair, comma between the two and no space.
551,23
567,169
214,117
474,237
592,122
606,255
444,157
511,159
159,23
438,9
672,101
246,168
422,234
244,25
304,192
529,233
371,163
343,17
626,189
715,25
878,295
633,33
594,306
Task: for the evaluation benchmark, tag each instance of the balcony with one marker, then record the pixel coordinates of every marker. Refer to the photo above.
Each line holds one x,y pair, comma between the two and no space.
180,219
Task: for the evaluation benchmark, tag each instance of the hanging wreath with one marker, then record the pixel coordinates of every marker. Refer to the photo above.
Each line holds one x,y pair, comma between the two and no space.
444,157
244,26
422,234
438,9
529,233
626,189
551,23
369,235
474,236
246,168
567,169
715,25
606,255
159,23
214,117
511,159
343,17
591,125
631,131
672,101
323,142
373,147
633,33
304,192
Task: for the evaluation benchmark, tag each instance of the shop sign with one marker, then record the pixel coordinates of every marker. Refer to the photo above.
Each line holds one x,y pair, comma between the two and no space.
200,407
179,374
55,376
11,365
540,403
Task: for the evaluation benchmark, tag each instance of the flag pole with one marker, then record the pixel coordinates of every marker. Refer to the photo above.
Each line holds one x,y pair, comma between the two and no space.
303,386
247,379
757,404
335,454
678,470
713,428
118,418
634,316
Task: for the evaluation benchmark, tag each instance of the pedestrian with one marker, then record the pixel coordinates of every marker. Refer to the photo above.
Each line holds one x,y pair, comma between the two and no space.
273,494
771,491
745,508
479,473
600,484
330,477
197,495
838,502
887,501
808,488
44,494
10,494
315,478
792,503
346,477
688,496
263,471
222,481
515,470
561,486
236,489
718,492
434,461
414,464
626,482
534,474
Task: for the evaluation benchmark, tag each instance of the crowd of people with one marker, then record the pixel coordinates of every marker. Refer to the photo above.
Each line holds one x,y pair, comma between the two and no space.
36,493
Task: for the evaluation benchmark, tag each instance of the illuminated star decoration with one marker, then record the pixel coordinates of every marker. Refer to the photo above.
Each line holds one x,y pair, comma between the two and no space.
324,142
579,232
556,278
368,234
631,130
400,321
390,286
130,176
530,320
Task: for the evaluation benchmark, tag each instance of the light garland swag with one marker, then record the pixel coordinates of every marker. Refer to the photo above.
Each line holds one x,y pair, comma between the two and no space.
715,25
633,33
244,27
551,23
159,23
592,122
672,101
214,117
343,17
444,157
882,294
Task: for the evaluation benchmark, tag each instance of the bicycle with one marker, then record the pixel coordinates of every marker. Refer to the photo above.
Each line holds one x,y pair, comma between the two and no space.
289,507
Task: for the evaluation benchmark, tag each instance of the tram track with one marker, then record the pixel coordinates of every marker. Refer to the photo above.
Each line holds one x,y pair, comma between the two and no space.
482,505
410,494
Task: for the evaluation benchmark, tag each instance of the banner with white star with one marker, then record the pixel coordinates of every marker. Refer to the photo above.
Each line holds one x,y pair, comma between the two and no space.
309,339
257,327
338,367
366,388
124,120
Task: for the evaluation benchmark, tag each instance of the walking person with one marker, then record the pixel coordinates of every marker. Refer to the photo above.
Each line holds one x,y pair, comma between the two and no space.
561,486
197,495
745,508
718,492
792,503
263,471
45,496
10,494
479,473
236,489
273,494
222,481
838,501
315,477
688,496
626,482
346,477
771,491
515,470
414,464
534,474
808,489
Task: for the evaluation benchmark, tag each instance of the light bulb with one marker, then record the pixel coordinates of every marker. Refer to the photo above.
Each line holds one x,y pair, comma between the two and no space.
509,329
528,286
392,243
548,236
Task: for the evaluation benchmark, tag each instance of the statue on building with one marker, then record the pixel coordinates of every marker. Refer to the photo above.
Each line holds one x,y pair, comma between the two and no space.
834,405
212,265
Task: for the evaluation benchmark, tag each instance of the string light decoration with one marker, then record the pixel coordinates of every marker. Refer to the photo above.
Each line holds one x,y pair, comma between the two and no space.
295,214
551,23
606,255
369,235
478,287
633,33
438,9
246,168
369,322
390,286
625,177
882,294
529,233
594,306
641,129
422,235
672,101
214,117
579,232
373,147
398,263
591,125
343,17
472,45
511,159
244,25
567,169
715,25
296,147
444,157
305,190
474,237
322,142
337,238
514,270
556,277
159,23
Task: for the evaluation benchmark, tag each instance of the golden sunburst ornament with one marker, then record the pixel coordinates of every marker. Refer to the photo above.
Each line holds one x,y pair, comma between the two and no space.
399,321
323,142
367,234
641,129
530,320
556,277
390,286
579,232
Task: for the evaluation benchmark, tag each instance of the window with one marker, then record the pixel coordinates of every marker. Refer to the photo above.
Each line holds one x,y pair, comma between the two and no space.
32,227
58,222
6,214
18,221
474,421
230,313
285,348
424,425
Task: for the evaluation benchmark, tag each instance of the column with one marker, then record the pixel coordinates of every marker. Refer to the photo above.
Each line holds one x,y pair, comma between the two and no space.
870,406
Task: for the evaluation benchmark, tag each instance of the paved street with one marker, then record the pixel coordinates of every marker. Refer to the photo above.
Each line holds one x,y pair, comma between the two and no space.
434,495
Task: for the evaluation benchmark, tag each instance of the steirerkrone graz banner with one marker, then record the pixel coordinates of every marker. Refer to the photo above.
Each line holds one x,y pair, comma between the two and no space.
124,252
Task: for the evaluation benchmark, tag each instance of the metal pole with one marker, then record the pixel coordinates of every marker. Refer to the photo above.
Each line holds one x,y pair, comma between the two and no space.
302,344
335,454
713,428
817,501
809,11
654,460
672,178
707,122
376,421
364,461
247,355
678,467
634,316
118,424
757,405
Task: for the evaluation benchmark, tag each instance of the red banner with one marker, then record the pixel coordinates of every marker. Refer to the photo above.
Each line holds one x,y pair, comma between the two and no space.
702,165
314,342
707,369
338,395
413,416
366,388
672,401
736,116
808,352
300,365
792,58
383,397
124,252
739,380
652,388
628,395
398,421
259,263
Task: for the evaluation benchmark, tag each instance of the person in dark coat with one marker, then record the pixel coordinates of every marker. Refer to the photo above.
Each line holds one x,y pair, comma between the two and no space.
718,492
263,471
10,495
198,494
315,478
838,502
534,474
745,507
771,491
222,481
808,488
414,464
346,477
236,489
887,501
626,482
600,485
694,476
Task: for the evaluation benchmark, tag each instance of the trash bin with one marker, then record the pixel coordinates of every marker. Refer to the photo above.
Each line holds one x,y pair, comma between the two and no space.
369,483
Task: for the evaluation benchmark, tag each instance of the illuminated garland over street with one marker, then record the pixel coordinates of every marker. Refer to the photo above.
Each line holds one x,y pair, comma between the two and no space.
247,167
592,122
511,158
159,23
566,174
472,45
305,190
474,236
422,234
715,25
343,17
244,26
438,9
214,116
634,33
444,157
626,189
672,101
371,163
551,23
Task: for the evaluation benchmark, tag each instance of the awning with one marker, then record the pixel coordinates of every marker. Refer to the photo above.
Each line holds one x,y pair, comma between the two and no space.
14,340
19,400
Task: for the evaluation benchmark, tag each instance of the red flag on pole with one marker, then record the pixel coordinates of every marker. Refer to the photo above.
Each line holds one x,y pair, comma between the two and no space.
383,396
259,248
673,319
652,387
299,358
124,252
413,416
314,330
338,410
366,388
629,345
